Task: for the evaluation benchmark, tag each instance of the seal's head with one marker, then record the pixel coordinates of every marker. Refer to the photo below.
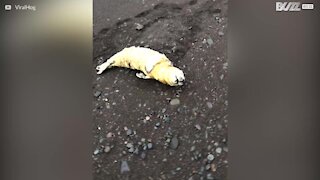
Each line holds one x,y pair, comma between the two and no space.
175,77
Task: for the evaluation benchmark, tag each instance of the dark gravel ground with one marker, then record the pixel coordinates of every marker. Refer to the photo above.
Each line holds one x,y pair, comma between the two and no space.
143,129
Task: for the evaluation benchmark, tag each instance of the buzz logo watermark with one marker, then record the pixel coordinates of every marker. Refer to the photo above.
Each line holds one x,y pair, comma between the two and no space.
293,6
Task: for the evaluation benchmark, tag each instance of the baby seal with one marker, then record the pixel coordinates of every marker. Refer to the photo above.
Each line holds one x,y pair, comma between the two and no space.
152,64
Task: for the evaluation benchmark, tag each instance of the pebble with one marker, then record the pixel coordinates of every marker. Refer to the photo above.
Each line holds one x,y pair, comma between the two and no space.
149,145
158,124
96,152
143,155
139,26
124,167
97,94
220,33
136,151
174,102
109,135
131,150
174,143
144,147
166,119
219,150
225,149
204,41
210,157
198,127
129,145
225,65
107,149
209,41
192,148
209,104
129,132
209,176
213,167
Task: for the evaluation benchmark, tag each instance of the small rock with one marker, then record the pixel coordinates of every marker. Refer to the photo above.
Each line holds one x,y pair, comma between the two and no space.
124,167
131,150
209,176
96,152
139,26
149,145
158,124
219,150
97,94
147,118
129,132
225,65
178,168
144,147
166,119
107,149
192,148
110,135
198,127
213,167
220,33
143,155
204,41
129,145
208,166
136,151
174,102
210,41
209,104
174,143
210,157
225,149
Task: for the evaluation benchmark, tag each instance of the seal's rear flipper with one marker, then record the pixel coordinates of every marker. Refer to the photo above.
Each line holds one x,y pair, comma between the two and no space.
104,66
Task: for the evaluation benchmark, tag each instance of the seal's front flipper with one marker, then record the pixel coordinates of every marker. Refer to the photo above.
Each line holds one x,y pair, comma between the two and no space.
141,75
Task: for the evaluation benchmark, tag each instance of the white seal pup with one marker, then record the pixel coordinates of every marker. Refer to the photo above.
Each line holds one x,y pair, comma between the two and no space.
152,64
